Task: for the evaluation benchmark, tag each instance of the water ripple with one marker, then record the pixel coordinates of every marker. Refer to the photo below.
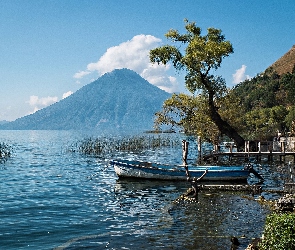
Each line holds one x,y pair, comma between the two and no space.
54,199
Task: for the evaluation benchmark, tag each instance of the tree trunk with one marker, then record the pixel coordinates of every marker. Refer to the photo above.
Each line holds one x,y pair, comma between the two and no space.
223,126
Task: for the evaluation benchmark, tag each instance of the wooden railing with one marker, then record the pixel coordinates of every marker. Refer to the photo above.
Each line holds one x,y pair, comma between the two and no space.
257,149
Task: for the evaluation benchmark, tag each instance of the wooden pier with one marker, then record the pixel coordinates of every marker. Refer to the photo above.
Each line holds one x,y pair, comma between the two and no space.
269,149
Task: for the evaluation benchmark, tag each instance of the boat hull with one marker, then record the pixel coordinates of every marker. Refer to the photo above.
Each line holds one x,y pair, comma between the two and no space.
145,170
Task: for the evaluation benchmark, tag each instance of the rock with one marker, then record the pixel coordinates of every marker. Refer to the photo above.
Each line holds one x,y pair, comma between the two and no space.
286,203
235,243
254,244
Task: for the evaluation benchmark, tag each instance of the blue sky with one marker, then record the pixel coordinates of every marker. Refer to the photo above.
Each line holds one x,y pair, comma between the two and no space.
51,48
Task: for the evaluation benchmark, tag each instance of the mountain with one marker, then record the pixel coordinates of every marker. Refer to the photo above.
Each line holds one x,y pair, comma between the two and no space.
286,63
3,122
120,100
274,88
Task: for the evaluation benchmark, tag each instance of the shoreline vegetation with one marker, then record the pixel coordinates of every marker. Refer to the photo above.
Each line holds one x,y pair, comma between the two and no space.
104,145
279,229
279,232
5,151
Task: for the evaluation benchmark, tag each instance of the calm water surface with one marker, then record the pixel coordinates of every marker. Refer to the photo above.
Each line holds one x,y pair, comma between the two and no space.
52,198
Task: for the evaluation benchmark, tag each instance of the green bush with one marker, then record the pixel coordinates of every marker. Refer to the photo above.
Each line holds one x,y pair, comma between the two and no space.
279,232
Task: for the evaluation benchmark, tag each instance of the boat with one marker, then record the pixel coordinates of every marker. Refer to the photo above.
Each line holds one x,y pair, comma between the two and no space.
148,170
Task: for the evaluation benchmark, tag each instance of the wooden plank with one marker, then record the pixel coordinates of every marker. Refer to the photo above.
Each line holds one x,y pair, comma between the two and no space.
256,188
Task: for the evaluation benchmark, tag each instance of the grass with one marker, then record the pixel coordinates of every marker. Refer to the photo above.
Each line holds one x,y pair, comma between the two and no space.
104,145
5,150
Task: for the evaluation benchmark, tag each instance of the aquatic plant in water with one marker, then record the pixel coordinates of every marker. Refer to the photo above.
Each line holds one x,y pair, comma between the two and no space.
105,145
5,151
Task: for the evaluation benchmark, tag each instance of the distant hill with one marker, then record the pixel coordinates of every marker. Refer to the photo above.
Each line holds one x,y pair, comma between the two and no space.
286,64
120,100
3,122
275,87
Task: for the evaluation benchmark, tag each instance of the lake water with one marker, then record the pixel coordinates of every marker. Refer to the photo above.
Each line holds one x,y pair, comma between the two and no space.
53,198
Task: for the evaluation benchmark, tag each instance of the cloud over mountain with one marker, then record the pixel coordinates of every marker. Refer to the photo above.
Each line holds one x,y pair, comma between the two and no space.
134,55
41,102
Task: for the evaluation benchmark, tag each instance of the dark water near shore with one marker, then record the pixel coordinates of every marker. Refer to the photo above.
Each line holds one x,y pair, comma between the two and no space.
52,198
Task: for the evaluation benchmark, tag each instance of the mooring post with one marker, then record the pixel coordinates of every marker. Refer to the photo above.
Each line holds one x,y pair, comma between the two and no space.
247,148
270,147
291,172
283,149
199,148
231,151
259,151
184,152
184,156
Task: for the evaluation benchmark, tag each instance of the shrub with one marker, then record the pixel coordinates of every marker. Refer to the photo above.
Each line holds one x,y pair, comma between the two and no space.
279,232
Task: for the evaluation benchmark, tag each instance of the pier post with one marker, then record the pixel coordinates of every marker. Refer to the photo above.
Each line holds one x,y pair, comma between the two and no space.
259,151
291,172
231,151
247,148
270,147
184,156
199,148
283,149
216,149
184,152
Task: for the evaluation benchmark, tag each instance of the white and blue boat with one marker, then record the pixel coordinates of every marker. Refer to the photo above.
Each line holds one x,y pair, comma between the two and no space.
148,170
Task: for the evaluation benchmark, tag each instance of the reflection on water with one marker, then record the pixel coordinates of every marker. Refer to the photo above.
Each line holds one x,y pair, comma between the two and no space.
145,216
55,199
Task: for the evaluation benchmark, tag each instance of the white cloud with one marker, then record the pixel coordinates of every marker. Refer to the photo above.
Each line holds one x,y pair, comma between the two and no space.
39,103
80,74
134,55
65,95
157,75
240,75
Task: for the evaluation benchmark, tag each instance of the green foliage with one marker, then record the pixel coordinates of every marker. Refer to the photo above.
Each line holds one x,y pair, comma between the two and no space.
267,91
279,232
202,54
191,114
265,122
231,110
259,92
290,120
256,108
269,104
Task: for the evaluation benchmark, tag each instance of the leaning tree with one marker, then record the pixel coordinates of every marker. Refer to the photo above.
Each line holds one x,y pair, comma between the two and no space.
200,56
